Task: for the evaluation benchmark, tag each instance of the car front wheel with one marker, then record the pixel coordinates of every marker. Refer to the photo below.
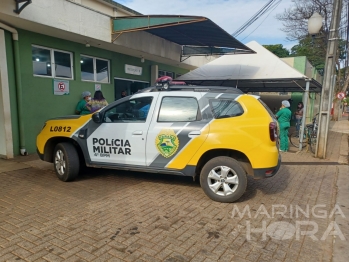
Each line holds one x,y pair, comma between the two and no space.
223,179
66,162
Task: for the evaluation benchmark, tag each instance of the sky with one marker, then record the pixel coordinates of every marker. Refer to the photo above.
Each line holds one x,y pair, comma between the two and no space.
228,14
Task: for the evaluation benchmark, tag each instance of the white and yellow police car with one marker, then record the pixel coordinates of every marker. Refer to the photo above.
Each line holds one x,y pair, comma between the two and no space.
217,133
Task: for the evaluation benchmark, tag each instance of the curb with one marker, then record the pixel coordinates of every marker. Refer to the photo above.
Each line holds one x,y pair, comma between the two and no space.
343,150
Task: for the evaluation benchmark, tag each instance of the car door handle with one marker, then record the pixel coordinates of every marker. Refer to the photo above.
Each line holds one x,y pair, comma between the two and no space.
137,133
194,134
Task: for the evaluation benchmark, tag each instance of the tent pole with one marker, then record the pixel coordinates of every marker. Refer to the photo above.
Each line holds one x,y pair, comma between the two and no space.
305,101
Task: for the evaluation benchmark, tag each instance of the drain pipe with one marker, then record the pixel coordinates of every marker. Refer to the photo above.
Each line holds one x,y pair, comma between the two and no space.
14,32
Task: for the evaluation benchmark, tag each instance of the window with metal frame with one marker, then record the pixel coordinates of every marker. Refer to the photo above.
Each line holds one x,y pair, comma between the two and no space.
179,109
48,62
94,69
165,73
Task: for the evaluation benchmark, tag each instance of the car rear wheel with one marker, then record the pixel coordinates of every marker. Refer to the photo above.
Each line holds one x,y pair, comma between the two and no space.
66,162
223,179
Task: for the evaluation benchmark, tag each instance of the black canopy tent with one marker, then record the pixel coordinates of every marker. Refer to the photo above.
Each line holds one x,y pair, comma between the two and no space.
197,35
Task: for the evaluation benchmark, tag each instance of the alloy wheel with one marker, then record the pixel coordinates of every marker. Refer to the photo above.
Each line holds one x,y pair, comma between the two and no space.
223,180
60,162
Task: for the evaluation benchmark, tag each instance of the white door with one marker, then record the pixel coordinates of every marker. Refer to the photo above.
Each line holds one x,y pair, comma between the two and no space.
177,122
121,138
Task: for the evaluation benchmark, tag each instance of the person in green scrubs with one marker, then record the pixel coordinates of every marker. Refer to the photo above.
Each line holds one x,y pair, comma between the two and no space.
284,117
81,108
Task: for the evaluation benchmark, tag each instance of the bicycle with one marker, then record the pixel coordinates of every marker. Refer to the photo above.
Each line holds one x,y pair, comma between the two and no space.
309,135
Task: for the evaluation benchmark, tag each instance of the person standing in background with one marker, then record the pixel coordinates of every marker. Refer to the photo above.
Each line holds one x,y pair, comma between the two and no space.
123,94
97,102
284,117
299,115
81,106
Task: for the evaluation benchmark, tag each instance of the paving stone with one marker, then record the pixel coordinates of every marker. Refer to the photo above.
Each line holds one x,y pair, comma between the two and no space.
162,255
52,257
37,255
8,257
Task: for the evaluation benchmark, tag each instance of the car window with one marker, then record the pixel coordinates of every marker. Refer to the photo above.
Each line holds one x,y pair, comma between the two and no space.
179,109
222,108
135,110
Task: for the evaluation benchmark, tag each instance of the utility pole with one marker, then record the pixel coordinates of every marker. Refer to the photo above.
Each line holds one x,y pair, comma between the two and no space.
326,94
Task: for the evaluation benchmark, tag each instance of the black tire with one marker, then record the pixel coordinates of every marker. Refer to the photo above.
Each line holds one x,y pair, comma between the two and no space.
224,191
294,139
66,162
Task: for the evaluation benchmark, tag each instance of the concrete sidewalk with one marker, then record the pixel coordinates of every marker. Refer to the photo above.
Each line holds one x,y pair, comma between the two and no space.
337,148
109,215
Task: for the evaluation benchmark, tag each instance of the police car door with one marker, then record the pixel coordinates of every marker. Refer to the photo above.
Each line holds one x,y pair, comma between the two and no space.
177,129
121,137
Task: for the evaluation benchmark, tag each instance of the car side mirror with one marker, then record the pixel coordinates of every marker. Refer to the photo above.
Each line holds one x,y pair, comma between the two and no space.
97,117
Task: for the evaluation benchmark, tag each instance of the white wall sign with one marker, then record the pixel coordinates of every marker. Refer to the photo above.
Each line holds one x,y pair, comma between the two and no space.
98,87
60,87
133,70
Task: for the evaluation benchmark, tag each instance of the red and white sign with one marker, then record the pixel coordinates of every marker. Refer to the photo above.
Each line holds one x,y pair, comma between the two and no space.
340,95
61,86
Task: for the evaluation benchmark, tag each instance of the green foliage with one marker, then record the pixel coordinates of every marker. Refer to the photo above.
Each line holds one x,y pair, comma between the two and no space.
278,50
313,49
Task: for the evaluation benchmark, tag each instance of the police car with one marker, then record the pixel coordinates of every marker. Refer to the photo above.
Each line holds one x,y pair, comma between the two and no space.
216,133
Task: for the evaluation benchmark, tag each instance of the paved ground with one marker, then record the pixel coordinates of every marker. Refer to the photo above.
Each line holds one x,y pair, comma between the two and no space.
121,216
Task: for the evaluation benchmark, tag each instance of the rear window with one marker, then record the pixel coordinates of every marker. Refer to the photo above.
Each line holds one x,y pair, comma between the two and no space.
223,108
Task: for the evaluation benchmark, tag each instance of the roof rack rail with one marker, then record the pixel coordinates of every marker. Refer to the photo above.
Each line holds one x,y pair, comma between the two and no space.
214,89
165,83
205,89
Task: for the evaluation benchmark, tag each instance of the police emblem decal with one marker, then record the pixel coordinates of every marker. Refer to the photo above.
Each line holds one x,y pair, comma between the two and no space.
167,142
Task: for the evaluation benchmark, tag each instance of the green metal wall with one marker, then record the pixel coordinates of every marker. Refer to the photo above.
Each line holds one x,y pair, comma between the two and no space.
313,99
299,63
39,102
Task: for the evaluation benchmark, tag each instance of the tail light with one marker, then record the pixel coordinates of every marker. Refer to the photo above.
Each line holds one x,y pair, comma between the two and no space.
272,131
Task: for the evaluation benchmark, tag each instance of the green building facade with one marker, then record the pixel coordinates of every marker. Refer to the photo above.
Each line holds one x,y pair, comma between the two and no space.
38,101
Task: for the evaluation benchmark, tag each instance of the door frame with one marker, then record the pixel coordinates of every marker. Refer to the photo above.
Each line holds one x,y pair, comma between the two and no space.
6,137
128,79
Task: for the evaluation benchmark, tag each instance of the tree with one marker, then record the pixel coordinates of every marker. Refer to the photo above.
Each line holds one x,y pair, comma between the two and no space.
278,50
295,24
313,50
295,18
